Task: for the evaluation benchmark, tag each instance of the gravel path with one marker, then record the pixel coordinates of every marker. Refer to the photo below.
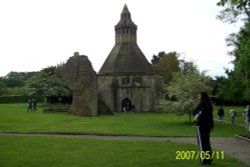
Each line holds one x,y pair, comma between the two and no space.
232,146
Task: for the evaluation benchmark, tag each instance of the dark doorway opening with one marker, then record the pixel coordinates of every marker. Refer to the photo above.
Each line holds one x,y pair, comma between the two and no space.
126,105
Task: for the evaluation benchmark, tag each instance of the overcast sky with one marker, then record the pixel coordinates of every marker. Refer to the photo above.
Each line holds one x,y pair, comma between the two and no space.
35,34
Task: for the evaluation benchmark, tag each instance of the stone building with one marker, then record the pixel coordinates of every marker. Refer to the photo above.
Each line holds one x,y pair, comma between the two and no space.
126,81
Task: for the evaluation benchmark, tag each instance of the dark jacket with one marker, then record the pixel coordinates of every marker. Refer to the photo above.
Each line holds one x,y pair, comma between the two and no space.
221,112
205,119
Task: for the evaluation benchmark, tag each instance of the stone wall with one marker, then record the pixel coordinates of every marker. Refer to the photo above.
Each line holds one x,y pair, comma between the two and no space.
81,78
143,91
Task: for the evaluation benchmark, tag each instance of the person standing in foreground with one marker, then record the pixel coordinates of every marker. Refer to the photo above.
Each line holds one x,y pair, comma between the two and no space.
204,121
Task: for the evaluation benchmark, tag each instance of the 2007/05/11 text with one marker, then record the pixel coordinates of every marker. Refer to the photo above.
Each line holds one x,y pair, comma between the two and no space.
188,155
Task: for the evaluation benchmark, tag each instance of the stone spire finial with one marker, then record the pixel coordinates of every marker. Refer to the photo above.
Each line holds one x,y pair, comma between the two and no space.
125,13
125,28
125,8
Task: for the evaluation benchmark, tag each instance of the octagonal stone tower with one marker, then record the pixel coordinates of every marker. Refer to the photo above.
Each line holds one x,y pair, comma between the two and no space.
126,81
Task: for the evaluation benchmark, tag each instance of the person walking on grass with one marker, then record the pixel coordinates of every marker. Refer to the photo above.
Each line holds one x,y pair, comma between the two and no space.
232,113
29,105
203,114
34,105
221,113
247,117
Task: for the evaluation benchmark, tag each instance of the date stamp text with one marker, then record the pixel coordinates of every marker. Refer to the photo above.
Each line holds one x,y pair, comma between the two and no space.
189,155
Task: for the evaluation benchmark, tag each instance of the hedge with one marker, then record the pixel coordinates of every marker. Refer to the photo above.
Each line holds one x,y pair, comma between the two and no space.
20,99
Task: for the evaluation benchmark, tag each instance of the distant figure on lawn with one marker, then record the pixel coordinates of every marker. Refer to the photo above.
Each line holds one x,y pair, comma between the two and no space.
34,105
232,113
204,121
246,115
221,113
29,105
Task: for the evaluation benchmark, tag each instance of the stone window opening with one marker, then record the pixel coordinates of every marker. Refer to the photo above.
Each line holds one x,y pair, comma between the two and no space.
137,81
126,81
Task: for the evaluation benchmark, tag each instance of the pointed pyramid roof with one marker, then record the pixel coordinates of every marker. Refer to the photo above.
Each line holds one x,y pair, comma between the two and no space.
126,57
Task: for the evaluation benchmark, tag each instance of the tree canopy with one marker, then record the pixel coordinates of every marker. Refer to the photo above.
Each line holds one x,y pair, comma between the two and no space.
234,10
47,83
236,86
166,64
16,79
183,91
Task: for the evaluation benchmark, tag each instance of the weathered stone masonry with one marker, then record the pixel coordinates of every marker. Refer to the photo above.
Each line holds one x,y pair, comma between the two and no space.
81,78
126,81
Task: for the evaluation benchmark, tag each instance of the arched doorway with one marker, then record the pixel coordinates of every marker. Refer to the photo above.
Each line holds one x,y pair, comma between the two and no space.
126,105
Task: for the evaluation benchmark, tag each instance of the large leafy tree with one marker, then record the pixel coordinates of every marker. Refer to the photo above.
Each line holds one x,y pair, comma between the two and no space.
16,79
230,88
236,87
187,66
183,82
14,82
166,64
242,59
234,10
47,83
183,91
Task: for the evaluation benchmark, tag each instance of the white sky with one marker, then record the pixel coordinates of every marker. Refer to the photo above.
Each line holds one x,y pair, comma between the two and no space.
35,34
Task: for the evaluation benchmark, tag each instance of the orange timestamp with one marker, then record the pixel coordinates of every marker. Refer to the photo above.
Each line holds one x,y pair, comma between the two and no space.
189,155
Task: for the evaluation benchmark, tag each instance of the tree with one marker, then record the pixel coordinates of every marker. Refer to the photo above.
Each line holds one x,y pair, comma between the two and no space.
166,64
234,10
16,79
238,79
187,66
183,91
11,83
46,83
22,76
3,88
242,58
230,88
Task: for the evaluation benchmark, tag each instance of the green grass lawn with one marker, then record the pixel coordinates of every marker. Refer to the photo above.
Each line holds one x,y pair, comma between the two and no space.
15,118
75,152
239,110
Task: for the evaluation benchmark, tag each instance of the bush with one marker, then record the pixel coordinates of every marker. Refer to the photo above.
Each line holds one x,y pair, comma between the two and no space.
20,99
